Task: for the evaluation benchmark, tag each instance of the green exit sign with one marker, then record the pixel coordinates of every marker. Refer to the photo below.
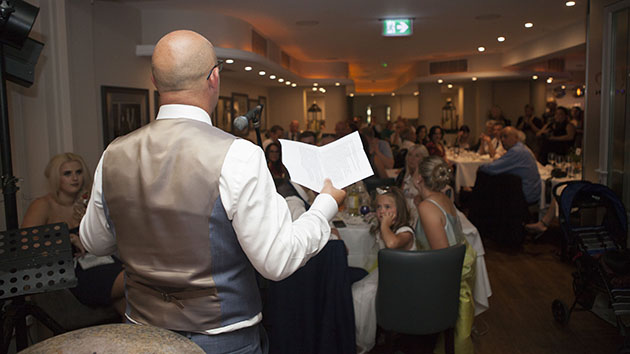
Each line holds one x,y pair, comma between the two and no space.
397,28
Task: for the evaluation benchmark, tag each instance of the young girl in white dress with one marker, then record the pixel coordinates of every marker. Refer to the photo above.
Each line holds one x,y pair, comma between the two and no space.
392,231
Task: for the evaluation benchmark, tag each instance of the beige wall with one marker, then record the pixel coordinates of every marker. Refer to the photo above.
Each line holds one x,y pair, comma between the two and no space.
401,105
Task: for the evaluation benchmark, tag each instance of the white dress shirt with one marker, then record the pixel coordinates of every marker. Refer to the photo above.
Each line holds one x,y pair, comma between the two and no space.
274,244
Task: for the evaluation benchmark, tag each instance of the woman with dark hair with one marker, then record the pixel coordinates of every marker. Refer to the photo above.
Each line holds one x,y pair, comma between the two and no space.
421,135
273,154
434,146
100,279
577,119
462,140
559,135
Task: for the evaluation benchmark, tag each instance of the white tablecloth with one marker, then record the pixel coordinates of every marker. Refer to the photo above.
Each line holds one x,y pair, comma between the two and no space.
466,166
362,253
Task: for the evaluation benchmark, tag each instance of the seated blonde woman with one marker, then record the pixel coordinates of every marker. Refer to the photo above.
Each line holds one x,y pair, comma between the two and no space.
415,154
100,279
439,227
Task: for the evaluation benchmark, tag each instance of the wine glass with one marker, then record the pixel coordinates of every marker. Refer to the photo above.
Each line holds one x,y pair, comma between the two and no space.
551,158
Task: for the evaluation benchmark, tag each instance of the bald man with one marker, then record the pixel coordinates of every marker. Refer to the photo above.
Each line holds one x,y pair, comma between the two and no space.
192,211
518,160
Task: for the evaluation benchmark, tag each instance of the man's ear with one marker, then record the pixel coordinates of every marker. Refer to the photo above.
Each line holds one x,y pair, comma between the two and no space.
153,81
214,79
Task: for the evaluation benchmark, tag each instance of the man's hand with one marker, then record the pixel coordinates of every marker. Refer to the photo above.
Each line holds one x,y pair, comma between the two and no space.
338,194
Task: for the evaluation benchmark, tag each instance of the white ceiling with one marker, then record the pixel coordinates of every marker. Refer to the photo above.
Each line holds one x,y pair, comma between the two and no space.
350,30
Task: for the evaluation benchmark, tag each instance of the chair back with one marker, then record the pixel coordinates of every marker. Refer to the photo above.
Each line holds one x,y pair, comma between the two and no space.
418,291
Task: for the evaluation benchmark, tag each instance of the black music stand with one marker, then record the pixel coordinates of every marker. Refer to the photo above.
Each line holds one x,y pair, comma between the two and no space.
32,260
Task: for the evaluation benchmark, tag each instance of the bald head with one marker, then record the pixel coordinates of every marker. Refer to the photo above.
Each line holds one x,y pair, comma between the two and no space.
181,61
509,137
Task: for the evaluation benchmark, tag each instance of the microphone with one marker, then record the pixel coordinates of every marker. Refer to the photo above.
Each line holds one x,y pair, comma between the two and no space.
241,122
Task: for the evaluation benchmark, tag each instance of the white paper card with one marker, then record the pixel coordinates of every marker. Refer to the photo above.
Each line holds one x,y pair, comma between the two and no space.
343,161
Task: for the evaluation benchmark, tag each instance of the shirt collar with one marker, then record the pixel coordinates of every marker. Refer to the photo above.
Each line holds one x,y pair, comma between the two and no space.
173,111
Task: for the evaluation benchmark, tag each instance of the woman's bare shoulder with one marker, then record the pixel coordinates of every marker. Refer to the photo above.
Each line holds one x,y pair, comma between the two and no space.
38,212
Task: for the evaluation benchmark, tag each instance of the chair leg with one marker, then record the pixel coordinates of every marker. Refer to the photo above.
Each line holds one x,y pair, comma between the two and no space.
449,341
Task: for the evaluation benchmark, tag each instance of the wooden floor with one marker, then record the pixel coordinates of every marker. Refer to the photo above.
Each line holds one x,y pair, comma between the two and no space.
519,321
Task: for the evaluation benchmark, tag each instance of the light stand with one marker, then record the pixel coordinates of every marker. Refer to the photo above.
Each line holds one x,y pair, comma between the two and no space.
16,20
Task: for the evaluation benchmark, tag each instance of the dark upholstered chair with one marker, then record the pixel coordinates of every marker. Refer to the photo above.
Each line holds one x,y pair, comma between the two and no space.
418,291
498,208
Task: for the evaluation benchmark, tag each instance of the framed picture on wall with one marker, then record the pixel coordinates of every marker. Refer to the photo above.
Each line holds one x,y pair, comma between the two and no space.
263,116
223,114
124,110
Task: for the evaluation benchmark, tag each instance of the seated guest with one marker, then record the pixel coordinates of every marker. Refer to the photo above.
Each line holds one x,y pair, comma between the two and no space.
530,125
435,146
100,279
462,140
327,138
558,135
387,132
307,137
439,227
408,138
379,153
392,231
342,129
490,143
518,160
276,132
404,180
273,154
496,114
399,126
421,135
294,130
577,119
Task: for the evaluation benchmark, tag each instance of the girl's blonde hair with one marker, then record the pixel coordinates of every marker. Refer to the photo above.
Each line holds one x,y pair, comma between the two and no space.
435,172
402,213
52,173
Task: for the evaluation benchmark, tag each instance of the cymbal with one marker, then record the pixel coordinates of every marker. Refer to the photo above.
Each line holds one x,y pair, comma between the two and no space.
116,338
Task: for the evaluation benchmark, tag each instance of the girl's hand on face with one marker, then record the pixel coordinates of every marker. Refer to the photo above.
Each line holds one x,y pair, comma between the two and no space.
388,219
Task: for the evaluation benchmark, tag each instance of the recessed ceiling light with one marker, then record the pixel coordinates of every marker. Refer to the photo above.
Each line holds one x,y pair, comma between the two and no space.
563,87
570,3
272,77
449,85
474,78
440,81
351,94
501,39
262,73
280,80
337,84
229,61
322,90
293,84
287,83
372,94
393,93
534,77
481,49
248,68
315,84
416,93
529,25
550,80
314,88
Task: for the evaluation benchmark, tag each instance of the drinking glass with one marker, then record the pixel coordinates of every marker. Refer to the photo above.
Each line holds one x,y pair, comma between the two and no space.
551,158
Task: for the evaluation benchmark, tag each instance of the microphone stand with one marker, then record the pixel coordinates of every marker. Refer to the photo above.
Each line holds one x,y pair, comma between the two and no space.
256,123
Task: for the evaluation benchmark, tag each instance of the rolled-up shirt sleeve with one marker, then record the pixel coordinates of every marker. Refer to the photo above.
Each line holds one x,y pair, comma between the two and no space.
95,232
275,245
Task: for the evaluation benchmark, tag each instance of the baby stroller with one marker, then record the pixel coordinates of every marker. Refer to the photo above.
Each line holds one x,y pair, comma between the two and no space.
594,225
